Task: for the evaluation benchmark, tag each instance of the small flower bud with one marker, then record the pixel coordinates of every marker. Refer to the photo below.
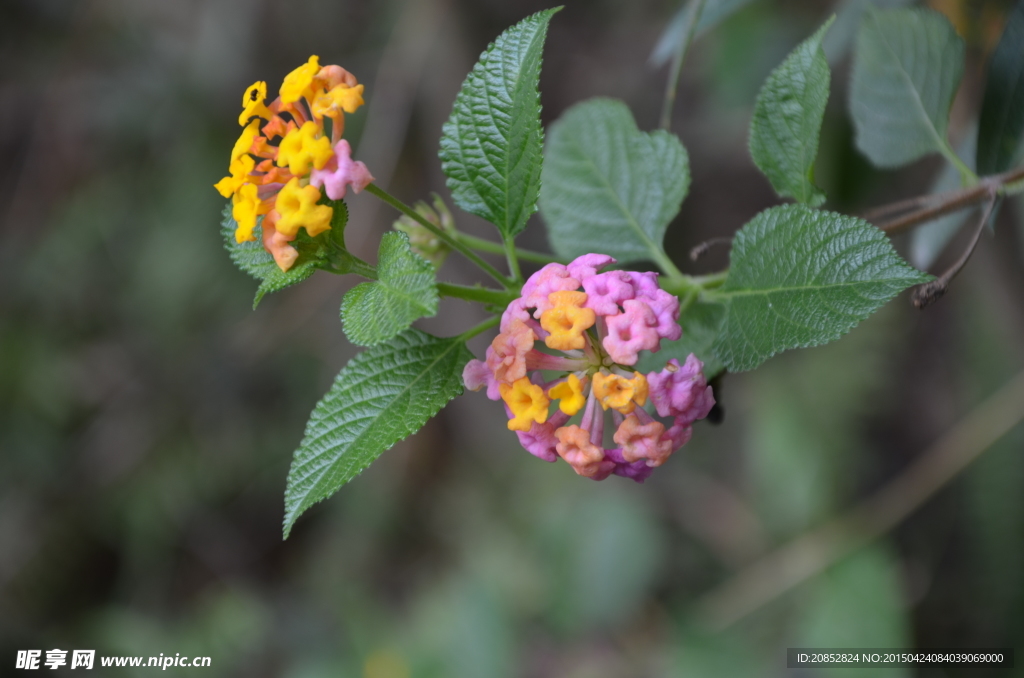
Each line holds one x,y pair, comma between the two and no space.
422,241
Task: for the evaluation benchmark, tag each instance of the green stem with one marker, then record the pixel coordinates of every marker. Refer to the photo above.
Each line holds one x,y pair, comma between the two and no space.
342,261
667,266
484,295
482,327
687,301
445,237
710,282
685,284
967,176
360,267
696,9
513,262
497,248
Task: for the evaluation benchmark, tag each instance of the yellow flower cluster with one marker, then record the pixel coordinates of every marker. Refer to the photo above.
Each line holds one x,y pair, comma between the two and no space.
282,182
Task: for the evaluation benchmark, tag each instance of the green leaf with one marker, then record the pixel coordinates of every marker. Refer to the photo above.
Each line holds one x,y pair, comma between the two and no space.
251,257
906,70
491,146
277,279
800,277
373,312
670,42
383,395
700,323
786,124
607,186
1001,128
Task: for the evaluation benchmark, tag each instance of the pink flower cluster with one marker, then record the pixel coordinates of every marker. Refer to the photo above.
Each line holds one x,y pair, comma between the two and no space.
600,332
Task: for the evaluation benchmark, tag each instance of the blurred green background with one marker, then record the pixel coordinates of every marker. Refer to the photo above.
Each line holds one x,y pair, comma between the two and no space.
148,416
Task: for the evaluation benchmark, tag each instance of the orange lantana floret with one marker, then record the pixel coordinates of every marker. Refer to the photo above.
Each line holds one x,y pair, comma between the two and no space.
567,320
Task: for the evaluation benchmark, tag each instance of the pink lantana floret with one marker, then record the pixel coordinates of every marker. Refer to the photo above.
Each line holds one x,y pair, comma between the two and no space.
540,440
551,278
476,375
681,392
584,266
664,305
340,172
607,291
638,471
645,283
679,433
632,331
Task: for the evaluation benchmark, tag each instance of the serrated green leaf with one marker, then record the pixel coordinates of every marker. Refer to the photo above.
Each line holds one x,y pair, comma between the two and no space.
373,312
277,279
906,70
786,124
383,395
700,323
1001,126
251,257
800,277
608,187
491,146
339,220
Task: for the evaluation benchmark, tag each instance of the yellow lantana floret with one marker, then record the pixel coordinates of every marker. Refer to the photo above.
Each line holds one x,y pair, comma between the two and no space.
252,103
297,207
247,206
338,99
570,394
298,83
241,162
619,393
567,320
527,402
245,139
239,176
302,147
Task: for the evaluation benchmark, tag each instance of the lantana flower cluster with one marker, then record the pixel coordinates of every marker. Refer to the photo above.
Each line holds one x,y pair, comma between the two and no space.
599,323
281,182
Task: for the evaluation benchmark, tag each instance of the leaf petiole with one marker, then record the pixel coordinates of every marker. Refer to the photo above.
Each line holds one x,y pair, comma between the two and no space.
685,285
486,295
478,329
967,176
510,255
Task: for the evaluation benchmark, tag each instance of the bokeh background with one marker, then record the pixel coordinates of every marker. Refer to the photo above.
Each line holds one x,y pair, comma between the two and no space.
148,415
